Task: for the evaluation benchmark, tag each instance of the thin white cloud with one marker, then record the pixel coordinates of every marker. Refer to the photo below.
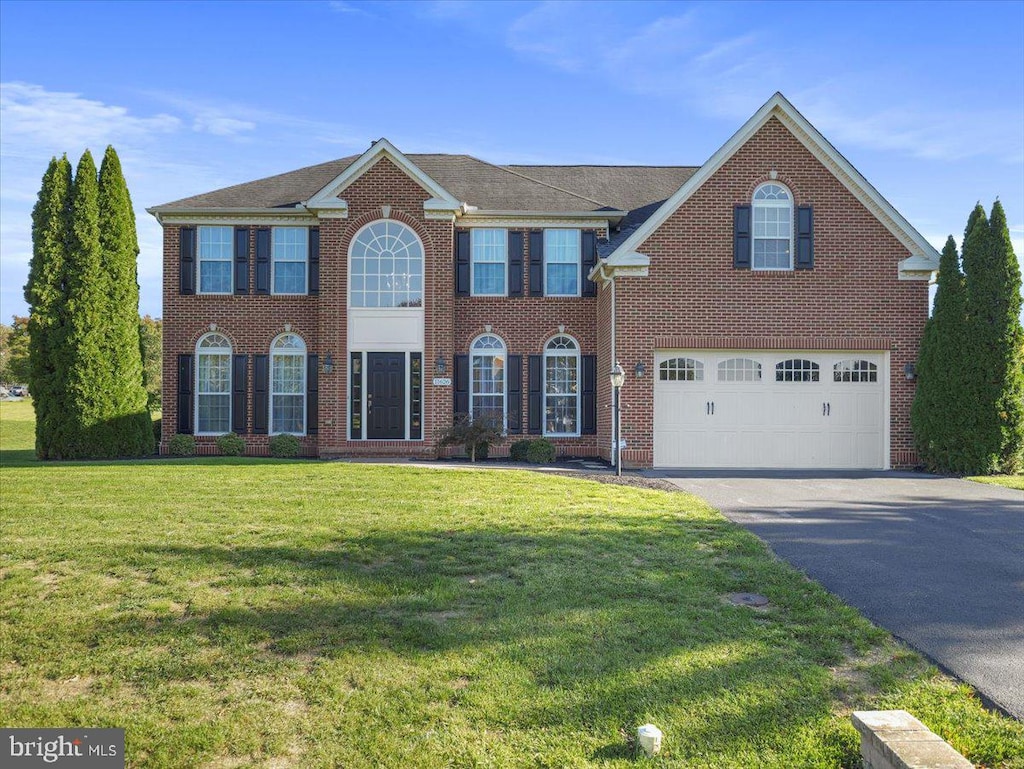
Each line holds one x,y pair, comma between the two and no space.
348,9
693,56
218,125
34,117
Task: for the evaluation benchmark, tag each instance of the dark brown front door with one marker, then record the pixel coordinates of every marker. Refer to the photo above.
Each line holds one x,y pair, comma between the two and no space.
385,395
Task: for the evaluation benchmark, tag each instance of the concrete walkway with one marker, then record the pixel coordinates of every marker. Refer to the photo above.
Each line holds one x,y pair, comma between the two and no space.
937,561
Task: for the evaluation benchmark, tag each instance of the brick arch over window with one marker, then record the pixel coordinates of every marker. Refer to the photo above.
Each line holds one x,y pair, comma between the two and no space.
416,225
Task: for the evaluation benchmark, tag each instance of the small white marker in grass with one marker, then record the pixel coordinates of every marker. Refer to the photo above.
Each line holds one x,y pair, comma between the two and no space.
648,737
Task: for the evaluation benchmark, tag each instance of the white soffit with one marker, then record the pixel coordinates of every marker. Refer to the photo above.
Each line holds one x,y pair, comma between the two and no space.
925,257
328,196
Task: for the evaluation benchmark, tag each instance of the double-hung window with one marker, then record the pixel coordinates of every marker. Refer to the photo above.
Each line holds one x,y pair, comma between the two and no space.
562,262
487,379
213,385
561,386
488,265
215,258
773,228
290,252
288,385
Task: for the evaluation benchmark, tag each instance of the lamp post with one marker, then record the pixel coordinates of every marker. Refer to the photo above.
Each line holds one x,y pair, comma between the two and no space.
617,377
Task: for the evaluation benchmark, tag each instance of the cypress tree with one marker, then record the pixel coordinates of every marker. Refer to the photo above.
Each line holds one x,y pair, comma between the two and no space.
86,432
46,296
939,415
981,433
1003,315
131,432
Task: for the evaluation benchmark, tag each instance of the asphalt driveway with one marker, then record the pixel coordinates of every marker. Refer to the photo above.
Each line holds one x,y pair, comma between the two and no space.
937,561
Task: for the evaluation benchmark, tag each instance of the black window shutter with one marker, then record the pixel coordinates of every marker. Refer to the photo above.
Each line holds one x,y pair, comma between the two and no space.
186,376
239,393
314,261
263,260
260,393
187,244
537,263
515,264
312,394
805,238
535,396
588,395
741,238
461,384
588,258
462,256
514,403
241,260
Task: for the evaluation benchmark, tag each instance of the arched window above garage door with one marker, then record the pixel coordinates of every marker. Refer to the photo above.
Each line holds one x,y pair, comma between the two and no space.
681,370
855,371
739,370
797,370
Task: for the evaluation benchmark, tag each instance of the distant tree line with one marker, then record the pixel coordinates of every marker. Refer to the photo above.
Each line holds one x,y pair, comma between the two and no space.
968,413
14,355
85,351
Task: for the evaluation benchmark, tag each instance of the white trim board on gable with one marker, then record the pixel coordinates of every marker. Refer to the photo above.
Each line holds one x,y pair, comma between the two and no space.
327,198
923,259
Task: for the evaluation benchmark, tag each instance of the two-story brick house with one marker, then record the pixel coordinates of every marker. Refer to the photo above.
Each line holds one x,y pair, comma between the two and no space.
766,306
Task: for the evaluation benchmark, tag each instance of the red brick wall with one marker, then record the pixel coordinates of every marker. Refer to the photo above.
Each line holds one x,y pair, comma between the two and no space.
250,322
693,291
525,324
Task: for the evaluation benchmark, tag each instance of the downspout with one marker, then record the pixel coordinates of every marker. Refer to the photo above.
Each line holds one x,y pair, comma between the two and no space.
610,279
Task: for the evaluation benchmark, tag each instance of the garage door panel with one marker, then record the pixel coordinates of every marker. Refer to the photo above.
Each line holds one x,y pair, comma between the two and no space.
724,421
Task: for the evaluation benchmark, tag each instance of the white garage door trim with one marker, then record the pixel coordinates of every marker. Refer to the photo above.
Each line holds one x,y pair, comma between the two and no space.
708,419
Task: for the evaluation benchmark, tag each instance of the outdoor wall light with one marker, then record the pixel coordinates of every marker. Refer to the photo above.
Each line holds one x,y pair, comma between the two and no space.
328,364
440,365
640,369
910,371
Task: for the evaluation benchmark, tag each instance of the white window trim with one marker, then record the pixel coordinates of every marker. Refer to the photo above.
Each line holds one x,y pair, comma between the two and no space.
195,400
270,385
199,261
579,261
472,263
544,386
422,274
791,205
273,264
490,353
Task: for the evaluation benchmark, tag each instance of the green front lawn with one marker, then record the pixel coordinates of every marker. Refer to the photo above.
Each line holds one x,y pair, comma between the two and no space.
255,612
1009,481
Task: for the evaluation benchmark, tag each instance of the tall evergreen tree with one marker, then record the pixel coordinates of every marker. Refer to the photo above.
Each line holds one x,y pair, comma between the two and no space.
86,432
940,412
1008,343
131,433
46,296
981,433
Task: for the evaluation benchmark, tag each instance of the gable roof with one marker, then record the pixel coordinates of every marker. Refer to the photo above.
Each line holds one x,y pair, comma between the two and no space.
923,260
467,179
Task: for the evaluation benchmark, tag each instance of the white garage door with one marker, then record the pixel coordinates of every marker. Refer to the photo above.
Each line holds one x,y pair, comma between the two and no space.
769,409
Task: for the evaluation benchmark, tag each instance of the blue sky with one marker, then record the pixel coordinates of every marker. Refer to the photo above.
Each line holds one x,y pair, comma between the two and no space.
925,99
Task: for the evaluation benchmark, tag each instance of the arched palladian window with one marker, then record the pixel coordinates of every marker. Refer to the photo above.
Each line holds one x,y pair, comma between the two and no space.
213,385
386,267
288,385
561,386
773,228
681,370
739,370
855,371
487,378
796,370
